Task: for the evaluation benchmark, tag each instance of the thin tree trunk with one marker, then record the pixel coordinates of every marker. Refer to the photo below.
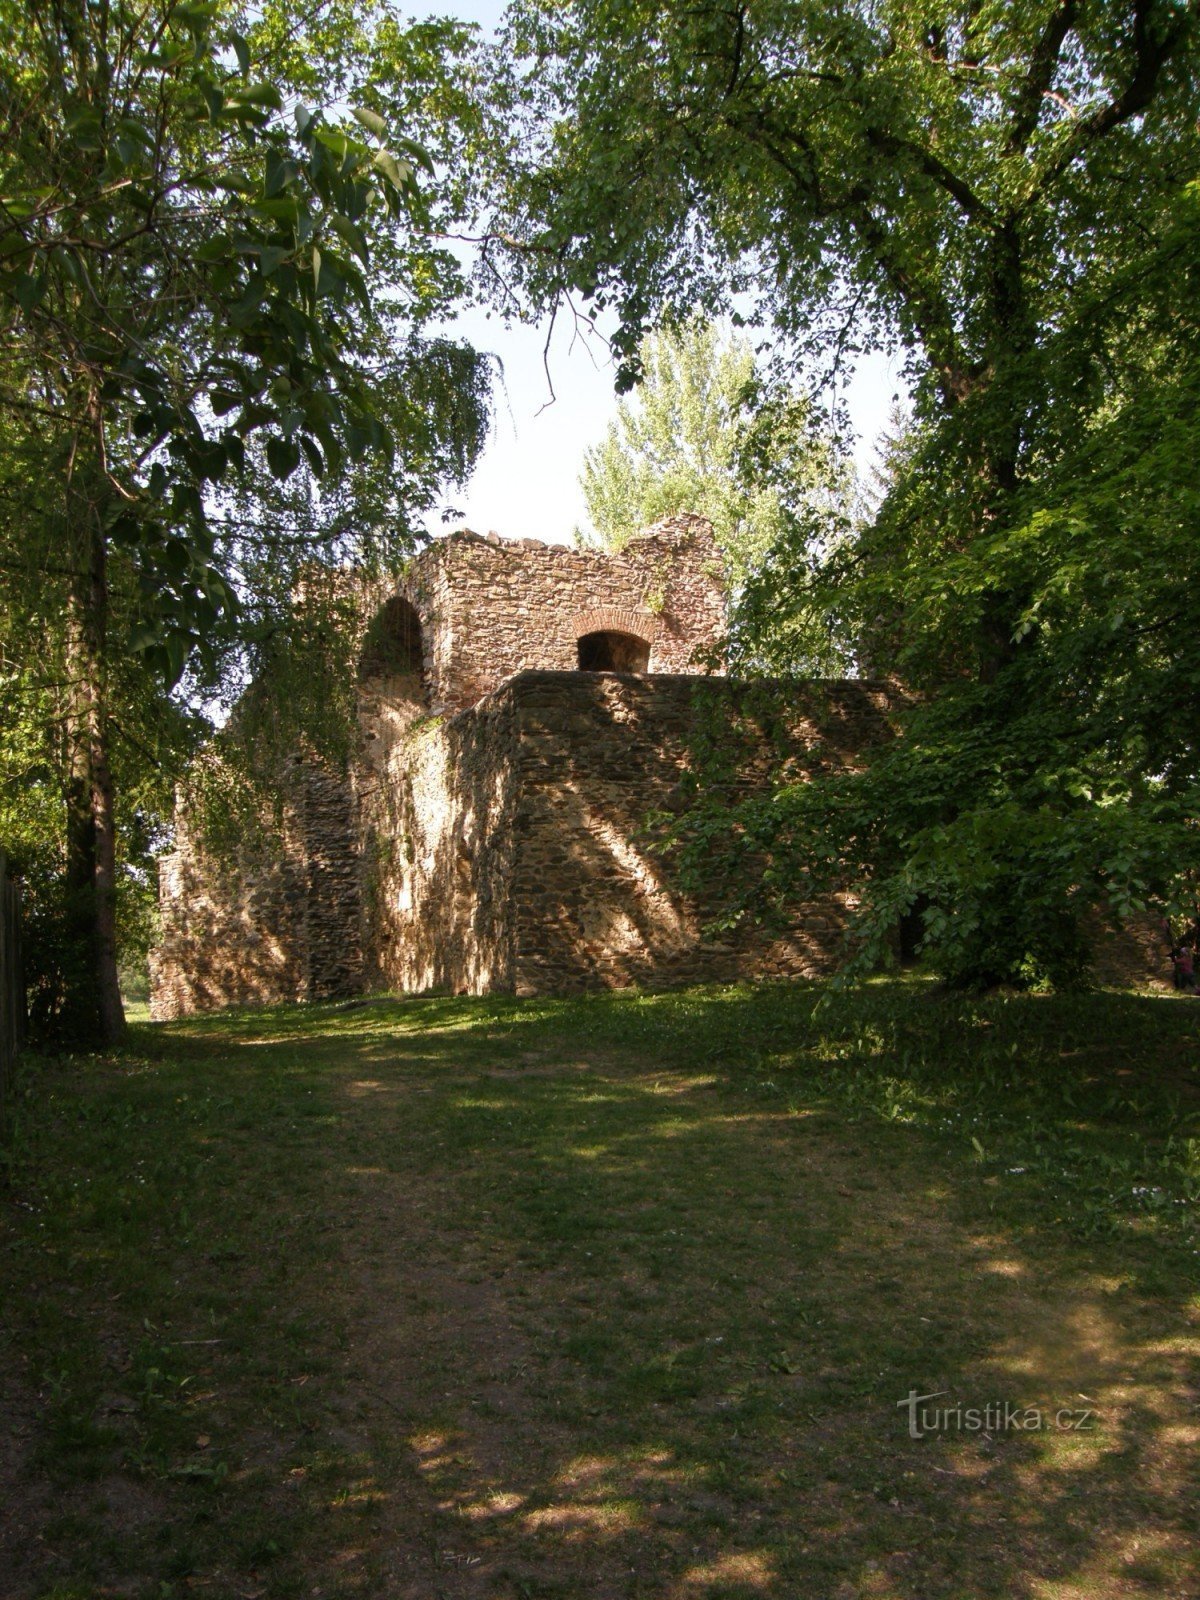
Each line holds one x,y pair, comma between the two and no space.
92,1009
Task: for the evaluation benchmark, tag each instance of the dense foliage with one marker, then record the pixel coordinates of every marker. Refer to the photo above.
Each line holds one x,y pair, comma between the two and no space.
214,376
1005,193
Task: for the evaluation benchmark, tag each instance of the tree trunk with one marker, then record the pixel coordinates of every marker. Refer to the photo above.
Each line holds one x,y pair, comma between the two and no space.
92,1010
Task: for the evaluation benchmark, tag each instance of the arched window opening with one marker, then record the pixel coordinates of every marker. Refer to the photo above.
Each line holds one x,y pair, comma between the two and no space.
392,647
610,651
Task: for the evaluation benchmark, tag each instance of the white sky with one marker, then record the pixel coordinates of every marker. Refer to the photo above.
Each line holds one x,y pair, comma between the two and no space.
526,484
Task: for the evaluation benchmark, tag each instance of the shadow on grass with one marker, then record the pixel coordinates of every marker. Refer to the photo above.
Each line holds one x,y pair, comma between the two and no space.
615,1297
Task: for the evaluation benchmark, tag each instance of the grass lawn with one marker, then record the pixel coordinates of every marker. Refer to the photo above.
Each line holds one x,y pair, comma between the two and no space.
613,1296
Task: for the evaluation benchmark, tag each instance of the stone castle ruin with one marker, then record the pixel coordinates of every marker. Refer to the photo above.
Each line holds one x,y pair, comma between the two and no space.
524,709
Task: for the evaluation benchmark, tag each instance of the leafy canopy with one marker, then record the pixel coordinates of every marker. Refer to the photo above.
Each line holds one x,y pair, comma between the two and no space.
1002,191
181,267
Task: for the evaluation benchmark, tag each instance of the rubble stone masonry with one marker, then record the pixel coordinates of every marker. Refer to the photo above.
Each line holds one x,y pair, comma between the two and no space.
492,834
491,607
592,904
279,921
518,858
504,849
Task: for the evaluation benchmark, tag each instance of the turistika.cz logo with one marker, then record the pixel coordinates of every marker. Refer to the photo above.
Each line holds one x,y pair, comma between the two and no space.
997,1416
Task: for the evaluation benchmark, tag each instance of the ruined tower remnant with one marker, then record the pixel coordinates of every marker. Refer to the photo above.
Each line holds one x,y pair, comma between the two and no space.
524,708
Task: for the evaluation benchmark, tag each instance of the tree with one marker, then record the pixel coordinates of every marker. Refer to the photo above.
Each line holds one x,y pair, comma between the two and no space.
706,431
1004,193
943,174
185,288
1069,778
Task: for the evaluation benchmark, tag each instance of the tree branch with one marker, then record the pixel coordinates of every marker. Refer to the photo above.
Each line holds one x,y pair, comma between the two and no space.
1040,77
925,303
1150,55
934,167
739,46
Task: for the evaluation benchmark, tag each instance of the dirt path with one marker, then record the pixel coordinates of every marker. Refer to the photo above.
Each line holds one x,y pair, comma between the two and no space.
492,1322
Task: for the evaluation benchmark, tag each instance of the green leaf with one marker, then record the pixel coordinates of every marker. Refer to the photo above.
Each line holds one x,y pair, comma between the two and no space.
272,257
28,289
211,250
264,95
398,173
175,557
315,459
283,456
284,208
335,141
417,152
352,234
143,637
371,120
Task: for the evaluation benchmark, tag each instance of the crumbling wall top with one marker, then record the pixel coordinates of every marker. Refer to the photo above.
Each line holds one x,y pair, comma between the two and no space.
490,607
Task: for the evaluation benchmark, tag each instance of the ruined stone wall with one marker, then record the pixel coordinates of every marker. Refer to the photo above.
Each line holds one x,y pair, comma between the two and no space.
593,905
278,919
491,608
437,818
399,871
508,839
1134,956
502,848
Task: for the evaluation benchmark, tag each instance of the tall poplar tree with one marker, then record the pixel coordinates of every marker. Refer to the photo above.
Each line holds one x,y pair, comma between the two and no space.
706,430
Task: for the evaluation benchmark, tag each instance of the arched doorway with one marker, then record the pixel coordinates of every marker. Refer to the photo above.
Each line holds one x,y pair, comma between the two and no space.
391,678
611,651
392,644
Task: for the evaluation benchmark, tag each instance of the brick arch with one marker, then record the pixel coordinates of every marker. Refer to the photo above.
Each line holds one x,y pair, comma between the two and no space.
616,619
